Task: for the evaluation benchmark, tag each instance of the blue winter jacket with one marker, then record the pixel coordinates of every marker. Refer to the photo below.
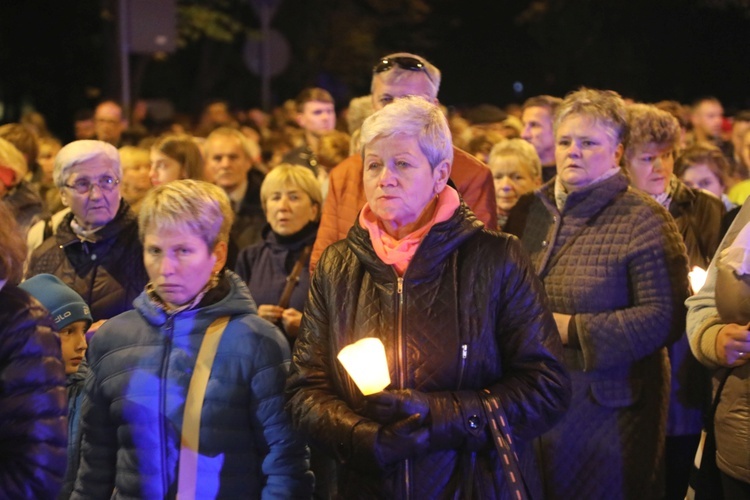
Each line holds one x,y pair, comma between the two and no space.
140,367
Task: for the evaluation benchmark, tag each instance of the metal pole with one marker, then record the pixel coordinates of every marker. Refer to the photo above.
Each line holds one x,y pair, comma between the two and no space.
124,42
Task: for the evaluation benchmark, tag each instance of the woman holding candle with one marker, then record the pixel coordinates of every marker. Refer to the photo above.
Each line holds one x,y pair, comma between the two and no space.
467,333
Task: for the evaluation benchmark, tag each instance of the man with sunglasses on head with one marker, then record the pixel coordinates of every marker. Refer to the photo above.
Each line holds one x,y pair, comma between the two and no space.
96,250
394,76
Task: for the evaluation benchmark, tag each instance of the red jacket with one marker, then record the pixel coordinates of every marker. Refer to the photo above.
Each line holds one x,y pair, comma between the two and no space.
346,196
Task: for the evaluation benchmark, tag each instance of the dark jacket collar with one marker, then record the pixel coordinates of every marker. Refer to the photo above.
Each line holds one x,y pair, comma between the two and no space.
123,218
588,201
302,238
682,198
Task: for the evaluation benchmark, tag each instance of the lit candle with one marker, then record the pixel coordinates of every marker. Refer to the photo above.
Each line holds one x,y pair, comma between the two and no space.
697,278
366,364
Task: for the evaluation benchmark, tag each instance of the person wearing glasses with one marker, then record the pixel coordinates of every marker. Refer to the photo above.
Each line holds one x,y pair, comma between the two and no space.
95,250
398,75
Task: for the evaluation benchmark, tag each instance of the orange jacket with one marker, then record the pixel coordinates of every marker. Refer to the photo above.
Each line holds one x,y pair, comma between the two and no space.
346,196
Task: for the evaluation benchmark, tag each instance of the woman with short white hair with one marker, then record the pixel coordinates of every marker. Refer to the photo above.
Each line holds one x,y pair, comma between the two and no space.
95,249
469,341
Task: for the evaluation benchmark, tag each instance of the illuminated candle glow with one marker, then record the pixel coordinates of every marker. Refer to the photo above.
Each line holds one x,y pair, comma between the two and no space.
366,364
697,278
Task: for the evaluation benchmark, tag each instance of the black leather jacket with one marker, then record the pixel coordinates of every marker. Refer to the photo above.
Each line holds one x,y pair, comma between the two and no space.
468,316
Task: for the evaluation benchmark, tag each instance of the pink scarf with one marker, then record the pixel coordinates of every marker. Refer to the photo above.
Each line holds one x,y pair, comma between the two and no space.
398,253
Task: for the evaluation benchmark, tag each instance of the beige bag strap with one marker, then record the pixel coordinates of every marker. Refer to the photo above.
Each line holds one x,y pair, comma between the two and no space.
187,468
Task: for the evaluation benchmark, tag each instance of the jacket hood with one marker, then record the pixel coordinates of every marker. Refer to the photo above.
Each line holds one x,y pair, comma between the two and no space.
237,301
442,239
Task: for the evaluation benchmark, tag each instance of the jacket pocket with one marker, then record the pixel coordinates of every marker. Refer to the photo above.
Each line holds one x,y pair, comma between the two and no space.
616,393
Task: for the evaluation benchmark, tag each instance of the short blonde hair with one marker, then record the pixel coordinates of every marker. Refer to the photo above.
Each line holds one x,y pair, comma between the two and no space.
12,158
520,149
412,116
295,175
198,206
605,107
649,124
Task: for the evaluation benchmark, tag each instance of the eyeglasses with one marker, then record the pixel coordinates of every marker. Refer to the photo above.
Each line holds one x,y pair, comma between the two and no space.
403,62
84,186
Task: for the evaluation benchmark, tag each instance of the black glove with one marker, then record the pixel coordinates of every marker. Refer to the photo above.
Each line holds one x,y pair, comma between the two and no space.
401,440
391,406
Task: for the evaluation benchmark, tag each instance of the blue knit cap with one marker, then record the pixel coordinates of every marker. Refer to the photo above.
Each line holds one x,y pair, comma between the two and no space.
63,303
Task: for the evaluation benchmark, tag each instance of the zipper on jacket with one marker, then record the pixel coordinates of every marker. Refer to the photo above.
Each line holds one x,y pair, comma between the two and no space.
464,355
401,369
169,330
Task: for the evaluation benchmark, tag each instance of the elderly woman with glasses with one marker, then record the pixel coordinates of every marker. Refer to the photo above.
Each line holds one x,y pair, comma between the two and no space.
615,271
186,392
470,345
95,250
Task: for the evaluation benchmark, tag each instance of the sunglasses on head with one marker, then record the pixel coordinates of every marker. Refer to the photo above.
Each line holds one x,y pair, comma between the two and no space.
403,62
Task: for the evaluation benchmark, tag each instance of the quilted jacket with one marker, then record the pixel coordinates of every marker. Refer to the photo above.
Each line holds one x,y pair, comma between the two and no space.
468,320
140,368
107,272
33,413
703,325
614,260
346,196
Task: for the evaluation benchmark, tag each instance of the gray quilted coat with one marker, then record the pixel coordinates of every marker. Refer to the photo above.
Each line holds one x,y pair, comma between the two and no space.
474,318
615,261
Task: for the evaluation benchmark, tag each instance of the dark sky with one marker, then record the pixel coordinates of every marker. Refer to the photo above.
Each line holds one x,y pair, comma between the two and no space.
54,54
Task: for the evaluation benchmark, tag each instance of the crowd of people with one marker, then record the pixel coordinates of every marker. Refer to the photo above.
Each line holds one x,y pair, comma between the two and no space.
526,270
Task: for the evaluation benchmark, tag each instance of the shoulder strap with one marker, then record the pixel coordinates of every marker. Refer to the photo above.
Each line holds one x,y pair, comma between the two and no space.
293,278
187,468
506,449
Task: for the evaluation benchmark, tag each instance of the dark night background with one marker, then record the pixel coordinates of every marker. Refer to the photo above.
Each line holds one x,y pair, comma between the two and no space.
57,57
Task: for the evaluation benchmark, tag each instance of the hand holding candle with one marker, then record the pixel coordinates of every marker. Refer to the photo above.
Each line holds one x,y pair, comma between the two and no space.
366,364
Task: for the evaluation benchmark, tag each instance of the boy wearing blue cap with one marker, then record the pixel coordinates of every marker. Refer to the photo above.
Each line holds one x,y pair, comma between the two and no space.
72,319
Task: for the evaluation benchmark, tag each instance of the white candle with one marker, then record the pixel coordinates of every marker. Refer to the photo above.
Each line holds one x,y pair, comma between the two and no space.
366,364
697,278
